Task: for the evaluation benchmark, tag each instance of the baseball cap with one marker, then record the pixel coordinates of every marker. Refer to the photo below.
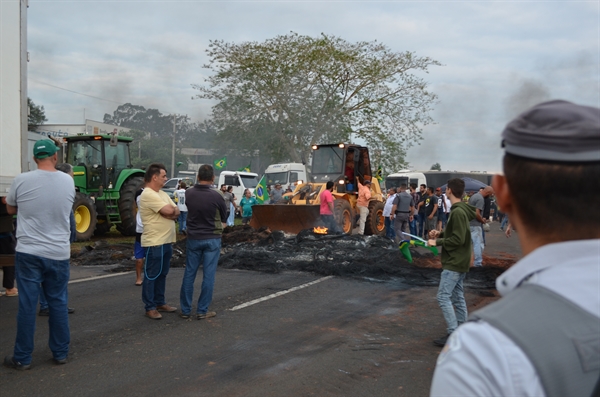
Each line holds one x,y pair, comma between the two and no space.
557,131
44,148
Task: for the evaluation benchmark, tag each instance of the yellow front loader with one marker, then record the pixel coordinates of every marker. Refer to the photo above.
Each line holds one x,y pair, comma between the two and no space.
344,165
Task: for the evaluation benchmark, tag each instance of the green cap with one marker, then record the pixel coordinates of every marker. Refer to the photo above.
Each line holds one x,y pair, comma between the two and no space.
44,148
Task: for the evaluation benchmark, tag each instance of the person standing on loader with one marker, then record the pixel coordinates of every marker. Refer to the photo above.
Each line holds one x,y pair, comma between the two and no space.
364,195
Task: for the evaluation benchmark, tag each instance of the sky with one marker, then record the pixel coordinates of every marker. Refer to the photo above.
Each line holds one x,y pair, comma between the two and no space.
498,58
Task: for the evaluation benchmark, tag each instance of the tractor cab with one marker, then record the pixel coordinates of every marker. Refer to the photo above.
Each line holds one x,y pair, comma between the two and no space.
98,160
342,164
105,182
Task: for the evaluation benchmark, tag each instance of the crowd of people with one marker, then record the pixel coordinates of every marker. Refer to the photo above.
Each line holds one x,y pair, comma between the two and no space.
541,338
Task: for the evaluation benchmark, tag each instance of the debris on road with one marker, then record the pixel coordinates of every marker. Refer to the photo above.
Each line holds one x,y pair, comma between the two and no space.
356,256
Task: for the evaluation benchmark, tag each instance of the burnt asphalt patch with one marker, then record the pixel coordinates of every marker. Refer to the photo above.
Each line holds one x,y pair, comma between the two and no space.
351,256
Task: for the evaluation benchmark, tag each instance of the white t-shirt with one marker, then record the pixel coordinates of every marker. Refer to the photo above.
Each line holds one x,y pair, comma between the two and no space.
180,195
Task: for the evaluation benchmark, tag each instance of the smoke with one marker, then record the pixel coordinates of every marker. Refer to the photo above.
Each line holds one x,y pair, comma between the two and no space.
529,93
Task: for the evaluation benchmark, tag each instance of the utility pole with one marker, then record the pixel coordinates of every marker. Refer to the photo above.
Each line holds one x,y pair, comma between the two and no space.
173,149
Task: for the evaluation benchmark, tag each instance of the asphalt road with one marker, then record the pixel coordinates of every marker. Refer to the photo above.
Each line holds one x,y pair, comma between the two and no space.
334,337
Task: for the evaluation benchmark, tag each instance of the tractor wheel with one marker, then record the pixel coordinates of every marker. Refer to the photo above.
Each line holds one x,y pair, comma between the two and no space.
375,223
85,216
343,214
102,227
127,205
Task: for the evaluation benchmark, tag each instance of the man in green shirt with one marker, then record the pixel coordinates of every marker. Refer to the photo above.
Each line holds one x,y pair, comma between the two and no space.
456,258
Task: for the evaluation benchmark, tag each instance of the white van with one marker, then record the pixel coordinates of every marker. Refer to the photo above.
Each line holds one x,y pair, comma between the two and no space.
239,180
285,173
407,177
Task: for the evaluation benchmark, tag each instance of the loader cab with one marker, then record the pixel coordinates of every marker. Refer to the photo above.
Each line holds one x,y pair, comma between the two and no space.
98,160
342,164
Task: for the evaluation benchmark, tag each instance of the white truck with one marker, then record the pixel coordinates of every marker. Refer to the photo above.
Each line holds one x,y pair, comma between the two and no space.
14,148
405,176
13,88
240,181
286,174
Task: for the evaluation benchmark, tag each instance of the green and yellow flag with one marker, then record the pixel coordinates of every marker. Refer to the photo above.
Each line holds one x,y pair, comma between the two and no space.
379,174
246,168
220,164
261,193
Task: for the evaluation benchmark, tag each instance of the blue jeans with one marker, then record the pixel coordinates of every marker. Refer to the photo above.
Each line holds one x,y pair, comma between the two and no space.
477,239
33,274
182,220
504,222
205,252
231,219
389,228
156,268
413,225
451,292
421,222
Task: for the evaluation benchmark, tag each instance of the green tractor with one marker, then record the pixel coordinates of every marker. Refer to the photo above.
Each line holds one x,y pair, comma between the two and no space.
105,182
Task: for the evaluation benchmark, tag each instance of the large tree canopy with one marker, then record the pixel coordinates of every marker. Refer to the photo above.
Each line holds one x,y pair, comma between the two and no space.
291,91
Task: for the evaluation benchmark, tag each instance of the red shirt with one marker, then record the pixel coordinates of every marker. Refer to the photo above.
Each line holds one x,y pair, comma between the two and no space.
326,198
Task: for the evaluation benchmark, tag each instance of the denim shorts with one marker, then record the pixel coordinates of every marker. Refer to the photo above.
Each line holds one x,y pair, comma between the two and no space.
138,251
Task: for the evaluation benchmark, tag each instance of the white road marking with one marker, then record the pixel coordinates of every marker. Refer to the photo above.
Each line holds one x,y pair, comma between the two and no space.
80,280
275,295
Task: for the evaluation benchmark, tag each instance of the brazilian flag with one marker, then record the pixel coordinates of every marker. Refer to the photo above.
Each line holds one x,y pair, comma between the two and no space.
246,168
220,164
379,174
261,193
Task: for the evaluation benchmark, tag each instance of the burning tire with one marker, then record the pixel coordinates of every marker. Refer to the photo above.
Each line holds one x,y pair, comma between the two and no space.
127,206
343,214
375,223
85,216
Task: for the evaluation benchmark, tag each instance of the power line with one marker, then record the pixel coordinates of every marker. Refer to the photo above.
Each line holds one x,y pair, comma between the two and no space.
75,92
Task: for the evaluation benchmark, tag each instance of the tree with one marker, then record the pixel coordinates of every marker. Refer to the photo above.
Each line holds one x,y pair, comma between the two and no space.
37,115
291,91
436,167
152,132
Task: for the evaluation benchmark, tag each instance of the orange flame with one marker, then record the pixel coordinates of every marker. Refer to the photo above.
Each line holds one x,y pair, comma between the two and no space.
320,230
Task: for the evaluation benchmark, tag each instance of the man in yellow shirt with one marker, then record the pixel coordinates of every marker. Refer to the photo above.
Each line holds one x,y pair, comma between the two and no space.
158,213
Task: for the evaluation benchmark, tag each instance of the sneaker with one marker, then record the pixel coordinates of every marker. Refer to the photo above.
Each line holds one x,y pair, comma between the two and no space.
153,314
201,316
10,362
60,361
166,308
442,341
184,316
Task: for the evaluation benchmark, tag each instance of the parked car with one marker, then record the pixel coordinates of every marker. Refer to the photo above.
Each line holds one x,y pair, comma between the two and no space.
172,184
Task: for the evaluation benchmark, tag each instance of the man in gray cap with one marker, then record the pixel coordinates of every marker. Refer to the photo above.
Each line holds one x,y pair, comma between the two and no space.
543,337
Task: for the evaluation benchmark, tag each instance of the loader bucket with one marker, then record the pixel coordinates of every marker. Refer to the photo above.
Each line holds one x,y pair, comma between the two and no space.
288,218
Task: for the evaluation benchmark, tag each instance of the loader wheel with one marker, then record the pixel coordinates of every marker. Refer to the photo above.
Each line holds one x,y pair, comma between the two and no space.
375,223
343,214
127,205
102,227
85,216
